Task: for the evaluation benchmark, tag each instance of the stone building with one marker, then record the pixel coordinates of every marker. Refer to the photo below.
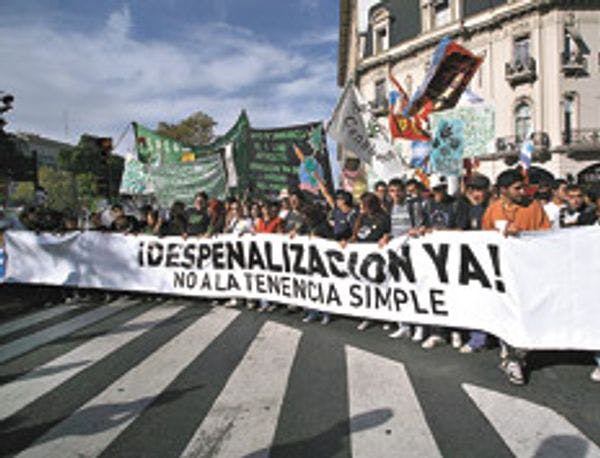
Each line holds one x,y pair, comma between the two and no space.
541,69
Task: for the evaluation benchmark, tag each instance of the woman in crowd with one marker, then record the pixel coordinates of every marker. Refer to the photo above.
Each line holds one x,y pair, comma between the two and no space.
268,223
372,224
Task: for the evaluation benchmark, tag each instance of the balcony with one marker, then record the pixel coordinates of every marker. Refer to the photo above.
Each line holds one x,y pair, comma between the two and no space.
520,71
582,143
574,64
508,148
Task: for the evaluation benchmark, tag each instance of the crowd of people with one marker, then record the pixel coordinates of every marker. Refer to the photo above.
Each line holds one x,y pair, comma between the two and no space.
397,209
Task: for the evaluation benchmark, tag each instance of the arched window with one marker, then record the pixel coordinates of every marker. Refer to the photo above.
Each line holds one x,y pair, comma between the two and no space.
523,125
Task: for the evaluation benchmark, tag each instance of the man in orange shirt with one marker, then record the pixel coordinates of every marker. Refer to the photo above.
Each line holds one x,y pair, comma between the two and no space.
514,212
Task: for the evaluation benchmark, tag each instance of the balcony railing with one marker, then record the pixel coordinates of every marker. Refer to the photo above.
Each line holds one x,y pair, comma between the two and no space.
579,142
508,147
520,71
574,64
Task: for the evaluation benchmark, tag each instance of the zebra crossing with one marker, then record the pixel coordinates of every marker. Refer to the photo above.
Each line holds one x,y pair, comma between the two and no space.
184,379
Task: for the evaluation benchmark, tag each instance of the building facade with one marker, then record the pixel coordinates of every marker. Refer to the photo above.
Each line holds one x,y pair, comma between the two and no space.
541,69
46,149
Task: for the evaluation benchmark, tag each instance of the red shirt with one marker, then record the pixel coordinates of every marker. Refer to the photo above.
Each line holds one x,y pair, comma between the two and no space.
271,227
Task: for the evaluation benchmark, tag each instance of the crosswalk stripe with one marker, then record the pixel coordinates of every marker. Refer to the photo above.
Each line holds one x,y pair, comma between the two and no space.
385,415
34,318
530,429
14,396
91,429
244,416
25,344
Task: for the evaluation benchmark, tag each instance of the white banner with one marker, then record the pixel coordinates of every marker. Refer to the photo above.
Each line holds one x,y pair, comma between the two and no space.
356,129
536,291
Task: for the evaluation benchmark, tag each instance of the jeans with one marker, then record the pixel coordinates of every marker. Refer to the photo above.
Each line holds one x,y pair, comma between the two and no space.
477,339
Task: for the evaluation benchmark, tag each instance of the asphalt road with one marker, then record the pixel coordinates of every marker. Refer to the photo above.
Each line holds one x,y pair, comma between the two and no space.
182,378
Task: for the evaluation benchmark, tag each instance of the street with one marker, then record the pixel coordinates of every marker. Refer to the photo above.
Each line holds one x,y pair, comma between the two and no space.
177,377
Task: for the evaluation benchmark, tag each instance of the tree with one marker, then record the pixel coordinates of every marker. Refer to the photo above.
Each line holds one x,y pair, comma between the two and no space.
195,130
60,187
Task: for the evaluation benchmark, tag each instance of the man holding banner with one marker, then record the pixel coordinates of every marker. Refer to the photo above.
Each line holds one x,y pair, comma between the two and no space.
511,214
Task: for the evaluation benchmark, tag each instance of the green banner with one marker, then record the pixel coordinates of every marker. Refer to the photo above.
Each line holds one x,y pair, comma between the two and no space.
273,162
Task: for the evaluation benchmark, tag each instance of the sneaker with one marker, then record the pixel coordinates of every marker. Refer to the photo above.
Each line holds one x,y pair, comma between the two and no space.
292,308
456,339
418,334
433,341
271,308
386,326
364,324
466,348
402,331
214,302
231,303
514,372
250,304
312,316
503,351
325,320
595,375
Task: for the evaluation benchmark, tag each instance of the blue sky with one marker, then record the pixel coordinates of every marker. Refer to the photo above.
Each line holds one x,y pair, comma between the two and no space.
88,66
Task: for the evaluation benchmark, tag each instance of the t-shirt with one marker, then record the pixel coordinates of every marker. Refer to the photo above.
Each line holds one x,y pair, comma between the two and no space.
373,227
239,226
440,215
343,223
531,217
468,216
270,227
198,221
294,220
553,212
400,220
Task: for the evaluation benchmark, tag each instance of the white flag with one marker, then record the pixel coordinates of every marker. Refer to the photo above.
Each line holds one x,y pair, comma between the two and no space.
356,129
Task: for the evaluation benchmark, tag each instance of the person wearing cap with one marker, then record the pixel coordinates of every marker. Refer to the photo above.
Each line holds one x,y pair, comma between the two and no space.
440,214
511,214
469,212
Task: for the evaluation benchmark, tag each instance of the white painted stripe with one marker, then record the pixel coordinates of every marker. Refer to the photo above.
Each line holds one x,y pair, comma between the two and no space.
16,395
26,344
385,415
95,425
34,318
244,417
530,429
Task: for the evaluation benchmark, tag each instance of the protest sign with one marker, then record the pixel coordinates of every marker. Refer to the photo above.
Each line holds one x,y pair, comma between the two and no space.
273,163
447,148
479,128
475,280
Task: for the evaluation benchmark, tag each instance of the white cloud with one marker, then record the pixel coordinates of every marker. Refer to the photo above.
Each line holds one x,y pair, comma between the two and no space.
105,78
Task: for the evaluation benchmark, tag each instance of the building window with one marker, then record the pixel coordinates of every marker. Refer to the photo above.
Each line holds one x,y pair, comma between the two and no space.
380,39
380,23
521,50
380,94
441,12
568,117
523,125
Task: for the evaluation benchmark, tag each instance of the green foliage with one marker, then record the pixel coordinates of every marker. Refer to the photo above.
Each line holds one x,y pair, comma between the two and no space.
85,157
196,130
86,184
61,188
22,194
